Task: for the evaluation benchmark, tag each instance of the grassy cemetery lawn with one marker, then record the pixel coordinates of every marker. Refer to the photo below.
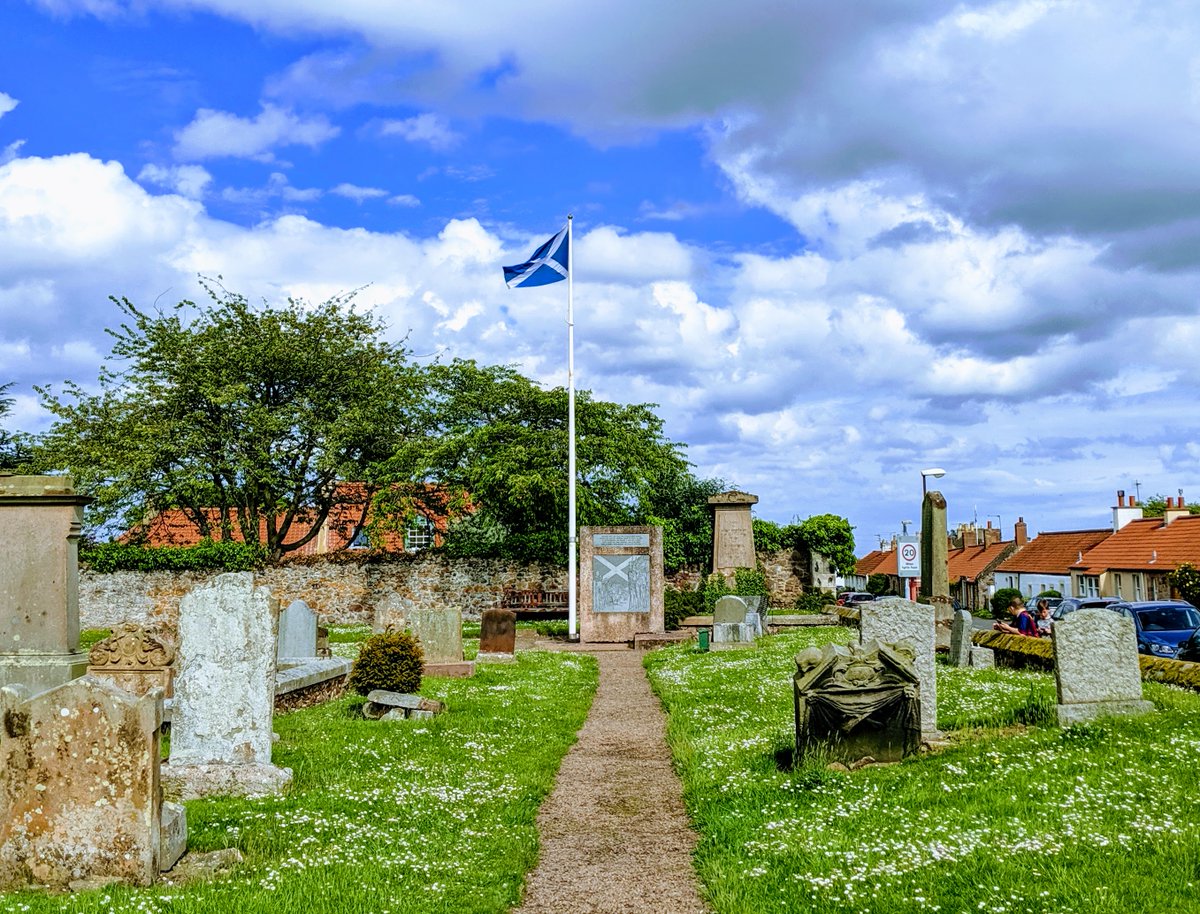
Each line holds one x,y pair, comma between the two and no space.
1016,816
416,816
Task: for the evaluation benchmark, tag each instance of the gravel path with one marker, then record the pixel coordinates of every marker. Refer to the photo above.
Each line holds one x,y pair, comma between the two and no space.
614,835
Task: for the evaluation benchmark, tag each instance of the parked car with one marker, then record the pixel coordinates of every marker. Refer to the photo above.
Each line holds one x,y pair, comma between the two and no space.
1052,602
1190,649
854,597
1070,604
1161,625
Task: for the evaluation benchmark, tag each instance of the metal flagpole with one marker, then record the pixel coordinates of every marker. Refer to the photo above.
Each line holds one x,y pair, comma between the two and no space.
571,538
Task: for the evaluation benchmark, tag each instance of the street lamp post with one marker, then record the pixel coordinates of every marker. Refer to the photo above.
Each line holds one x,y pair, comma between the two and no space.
936,473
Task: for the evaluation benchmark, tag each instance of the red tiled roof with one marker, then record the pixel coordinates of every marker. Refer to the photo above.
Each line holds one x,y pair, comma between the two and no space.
880,561
175,528
1146,545
1053,553
972,561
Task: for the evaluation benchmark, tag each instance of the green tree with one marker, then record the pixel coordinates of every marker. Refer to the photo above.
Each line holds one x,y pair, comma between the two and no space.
1156,506
1185,579
239,415
879,584
832,536
11,453
497,436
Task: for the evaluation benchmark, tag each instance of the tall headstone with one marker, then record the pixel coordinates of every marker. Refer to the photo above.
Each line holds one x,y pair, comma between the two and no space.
497,635
297,632
960,638
80,798
893,620
730,609
733,532
935,573
735,624
440,632
40,521
620,583
1096,667
134,660
221,725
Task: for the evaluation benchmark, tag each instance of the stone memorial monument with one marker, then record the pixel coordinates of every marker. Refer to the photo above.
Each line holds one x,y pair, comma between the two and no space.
440,634
1096,667
935,582
221,725
497,636
81,802
297,632
892,620
134,660
857,702
40,520
960,638
733,532
620,583
735,624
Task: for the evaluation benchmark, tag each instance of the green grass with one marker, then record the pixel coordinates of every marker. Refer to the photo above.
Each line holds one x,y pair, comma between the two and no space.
90,636
388,818
1012,819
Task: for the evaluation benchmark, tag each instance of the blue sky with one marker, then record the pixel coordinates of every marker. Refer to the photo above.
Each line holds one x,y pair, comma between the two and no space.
836,243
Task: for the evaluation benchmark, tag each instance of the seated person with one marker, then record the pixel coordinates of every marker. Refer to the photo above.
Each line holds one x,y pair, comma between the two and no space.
1043,617
1023,623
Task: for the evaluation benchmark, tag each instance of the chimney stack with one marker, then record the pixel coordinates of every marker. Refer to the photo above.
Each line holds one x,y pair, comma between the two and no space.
1125,510
1020,532
1175,509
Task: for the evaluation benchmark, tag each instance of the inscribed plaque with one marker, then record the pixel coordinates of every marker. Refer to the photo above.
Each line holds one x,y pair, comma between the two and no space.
621,539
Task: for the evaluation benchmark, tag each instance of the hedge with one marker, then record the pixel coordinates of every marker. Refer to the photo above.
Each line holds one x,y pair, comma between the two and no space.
205,556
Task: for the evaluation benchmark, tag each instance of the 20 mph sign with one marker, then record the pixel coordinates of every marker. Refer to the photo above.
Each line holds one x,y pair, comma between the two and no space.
908,558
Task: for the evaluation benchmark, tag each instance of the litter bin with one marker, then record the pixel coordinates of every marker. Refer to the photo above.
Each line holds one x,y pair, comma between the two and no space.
703,636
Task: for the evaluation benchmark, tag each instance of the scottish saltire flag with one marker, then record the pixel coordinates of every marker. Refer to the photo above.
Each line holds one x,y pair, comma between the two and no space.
548,264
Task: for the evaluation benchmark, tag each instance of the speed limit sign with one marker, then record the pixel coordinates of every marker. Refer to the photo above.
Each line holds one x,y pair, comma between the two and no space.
908,559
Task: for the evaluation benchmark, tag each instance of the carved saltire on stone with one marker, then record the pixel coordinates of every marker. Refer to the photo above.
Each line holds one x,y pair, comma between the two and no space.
858,701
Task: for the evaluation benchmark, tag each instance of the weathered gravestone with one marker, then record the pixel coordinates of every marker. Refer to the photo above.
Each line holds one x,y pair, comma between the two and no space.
935,569
297,632
497,635
1096,667
857,702
79,793
221,725
440,634
384,705
620,583
134,660
40,520
960,638
983,658
733,532
390,613
892,620
734,624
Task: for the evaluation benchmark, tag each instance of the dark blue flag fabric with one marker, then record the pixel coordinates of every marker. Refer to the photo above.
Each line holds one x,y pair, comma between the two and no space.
548,264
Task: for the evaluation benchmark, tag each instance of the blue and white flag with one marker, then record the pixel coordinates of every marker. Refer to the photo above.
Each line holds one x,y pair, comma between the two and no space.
548,264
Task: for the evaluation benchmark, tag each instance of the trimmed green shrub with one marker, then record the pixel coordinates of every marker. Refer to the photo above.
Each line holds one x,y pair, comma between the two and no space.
715,587
1051,592
749,582
1000,600
678,605
814,602
392,660
207,555
878,584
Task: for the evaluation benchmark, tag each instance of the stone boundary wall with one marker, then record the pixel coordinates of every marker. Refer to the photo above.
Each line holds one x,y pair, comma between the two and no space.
1017,650
340,592
787,573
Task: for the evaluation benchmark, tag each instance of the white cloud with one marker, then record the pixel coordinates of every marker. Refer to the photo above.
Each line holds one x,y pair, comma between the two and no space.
190,181
429,129
405,200
216,134
7,103
277,188
356,193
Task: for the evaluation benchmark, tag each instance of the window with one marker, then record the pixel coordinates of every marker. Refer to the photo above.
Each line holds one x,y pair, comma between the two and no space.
418,534
360,540
1117,586
1137,587
1089,585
